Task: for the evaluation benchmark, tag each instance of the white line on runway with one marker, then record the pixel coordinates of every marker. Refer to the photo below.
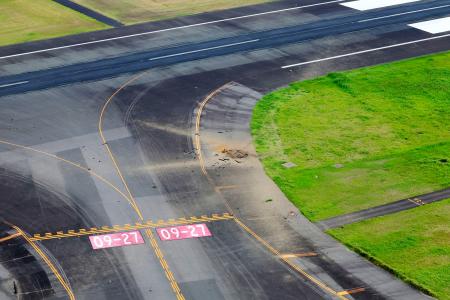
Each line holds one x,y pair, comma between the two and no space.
433,26
12,84
171,29
205,49
373,4
405,13
364,51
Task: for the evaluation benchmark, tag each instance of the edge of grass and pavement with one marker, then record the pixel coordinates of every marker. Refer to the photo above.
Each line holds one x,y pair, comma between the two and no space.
363,138
137,11
413,244
25,21
359,138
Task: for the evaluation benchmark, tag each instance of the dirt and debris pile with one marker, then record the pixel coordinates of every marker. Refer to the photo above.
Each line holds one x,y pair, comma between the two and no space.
235,153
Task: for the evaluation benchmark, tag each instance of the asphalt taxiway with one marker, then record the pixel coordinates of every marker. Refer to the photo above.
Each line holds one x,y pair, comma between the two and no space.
125,130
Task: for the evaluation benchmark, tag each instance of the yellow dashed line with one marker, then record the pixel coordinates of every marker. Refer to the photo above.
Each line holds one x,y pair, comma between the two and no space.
128,227
47,261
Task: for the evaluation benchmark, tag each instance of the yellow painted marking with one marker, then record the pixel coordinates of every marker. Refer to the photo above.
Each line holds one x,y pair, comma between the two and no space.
68,162
236,219
164,265
132,201
9,237
103,139
47,261
352,291
295,255
127,227
197,127
417,201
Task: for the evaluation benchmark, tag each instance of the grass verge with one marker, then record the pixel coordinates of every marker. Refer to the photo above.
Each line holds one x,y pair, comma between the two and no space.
359,138
25,21
136,11
413,244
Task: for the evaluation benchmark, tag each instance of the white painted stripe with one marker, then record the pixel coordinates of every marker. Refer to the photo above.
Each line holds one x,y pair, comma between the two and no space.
12,84
205,49
405,13
365,51
433,26
373,4
171,29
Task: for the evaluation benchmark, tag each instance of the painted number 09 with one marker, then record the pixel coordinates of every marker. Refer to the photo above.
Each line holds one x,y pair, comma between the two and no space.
182,232
107,240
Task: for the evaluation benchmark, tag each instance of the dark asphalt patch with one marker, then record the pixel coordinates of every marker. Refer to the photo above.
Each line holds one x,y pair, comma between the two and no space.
385,209
90,13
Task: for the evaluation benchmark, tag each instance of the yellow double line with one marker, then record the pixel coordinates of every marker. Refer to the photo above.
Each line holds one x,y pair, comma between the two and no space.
128,227
173,283
41,253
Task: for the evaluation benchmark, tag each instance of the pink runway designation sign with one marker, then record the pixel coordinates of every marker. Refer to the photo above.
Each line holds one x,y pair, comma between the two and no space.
183,232
116,239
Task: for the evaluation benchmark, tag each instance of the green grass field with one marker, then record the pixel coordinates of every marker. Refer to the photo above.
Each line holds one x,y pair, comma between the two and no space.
26,20
414,244
359,138
136,11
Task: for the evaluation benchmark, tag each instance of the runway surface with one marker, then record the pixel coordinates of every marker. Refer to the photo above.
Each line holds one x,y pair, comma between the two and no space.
145,127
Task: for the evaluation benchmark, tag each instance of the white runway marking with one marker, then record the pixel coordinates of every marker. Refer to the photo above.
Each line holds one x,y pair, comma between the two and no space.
12,84
433,26
373,4
405,13
171,29
364,51
205,49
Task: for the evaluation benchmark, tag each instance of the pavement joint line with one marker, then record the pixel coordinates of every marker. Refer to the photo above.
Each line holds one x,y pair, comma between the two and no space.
171,29
127,227
364,51
52,267
274,251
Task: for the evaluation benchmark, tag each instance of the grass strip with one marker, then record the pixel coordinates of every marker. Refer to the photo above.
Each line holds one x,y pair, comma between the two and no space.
25,21
413,244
